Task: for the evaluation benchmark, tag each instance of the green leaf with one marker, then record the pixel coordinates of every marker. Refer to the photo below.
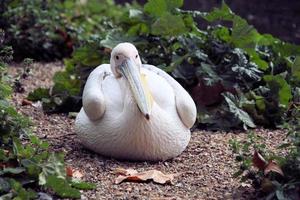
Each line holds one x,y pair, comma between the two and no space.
280,88
113,38
135,13
21,193
260,103
83,185
296,67
16,170
66,82
62,188
138,29
38,94
53,166
210,76
222,33
238,113
223,13
168,24
5,91
158,8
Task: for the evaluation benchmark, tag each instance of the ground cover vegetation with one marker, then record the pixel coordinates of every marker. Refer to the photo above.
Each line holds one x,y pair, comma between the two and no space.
28,170
238,77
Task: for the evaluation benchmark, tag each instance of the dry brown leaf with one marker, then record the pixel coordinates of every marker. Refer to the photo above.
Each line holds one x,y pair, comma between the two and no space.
155,175
69,171
273,167
26,102
125,172
258,161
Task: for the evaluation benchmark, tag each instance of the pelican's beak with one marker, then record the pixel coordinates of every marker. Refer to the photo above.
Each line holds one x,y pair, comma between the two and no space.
141,94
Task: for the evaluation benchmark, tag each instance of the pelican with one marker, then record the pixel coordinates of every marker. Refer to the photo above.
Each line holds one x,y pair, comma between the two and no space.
134,111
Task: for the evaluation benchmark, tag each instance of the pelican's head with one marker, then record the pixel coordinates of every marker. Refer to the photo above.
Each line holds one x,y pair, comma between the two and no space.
125,62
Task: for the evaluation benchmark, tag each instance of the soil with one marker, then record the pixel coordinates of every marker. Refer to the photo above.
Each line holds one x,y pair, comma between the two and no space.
206,167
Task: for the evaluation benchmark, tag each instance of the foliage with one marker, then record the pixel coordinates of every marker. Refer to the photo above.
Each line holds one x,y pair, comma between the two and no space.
27,165
237,77
49,29
274,175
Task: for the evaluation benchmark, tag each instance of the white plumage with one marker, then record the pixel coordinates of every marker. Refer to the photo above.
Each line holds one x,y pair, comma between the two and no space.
133,111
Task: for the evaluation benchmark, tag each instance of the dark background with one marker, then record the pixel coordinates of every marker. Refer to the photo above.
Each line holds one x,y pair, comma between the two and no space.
278,17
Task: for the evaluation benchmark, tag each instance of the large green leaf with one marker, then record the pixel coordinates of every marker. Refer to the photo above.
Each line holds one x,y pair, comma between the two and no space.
243,35
62,187
83,185
53,167
280,88
168,25
115,37
238,112
158,8
10,170
223,13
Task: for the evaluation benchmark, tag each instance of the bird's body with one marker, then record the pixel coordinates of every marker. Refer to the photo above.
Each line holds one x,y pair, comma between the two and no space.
111,122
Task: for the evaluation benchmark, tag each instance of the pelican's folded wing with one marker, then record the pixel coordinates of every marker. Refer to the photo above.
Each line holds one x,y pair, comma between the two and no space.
185,105
93,101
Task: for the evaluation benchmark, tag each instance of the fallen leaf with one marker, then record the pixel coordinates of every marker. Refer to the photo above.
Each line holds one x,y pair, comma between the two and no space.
125,172
273,167
26,102
69,171
134,176
258,161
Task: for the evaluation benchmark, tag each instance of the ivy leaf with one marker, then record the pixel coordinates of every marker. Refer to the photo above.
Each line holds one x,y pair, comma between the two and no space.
61,187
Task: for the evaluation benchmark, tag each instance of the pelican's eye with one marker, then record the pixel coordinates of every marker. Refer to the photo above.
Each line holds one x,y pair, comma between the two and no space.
136,56
117,57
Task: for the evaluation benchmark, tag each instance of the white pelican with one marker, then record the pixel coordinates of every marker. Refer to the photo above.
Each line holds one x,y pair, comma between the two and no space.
133,111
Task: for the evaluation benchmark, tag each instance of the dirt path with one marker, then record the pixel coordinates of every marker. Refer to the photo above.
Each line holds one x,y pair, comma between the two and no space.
206,166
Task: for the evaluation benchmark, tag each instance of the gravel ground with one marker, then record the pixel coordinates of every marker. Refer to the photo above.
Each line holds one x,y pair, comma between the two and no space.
205,167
